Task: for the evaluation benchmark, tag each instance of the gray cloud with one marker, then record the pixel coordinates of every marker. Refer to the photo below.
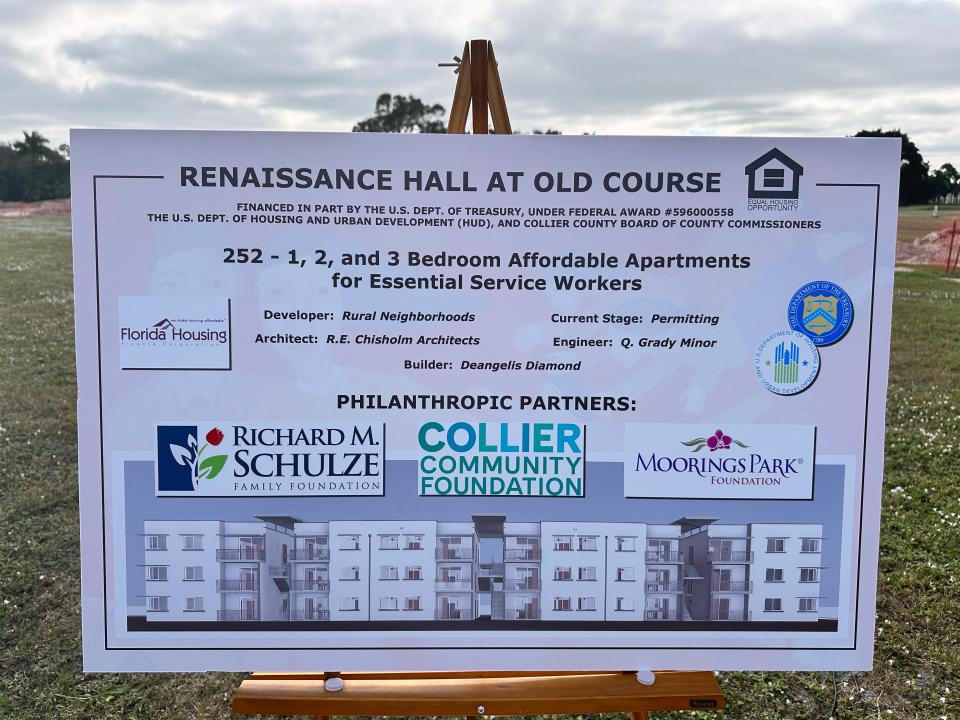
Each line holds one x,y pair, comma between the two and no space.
630,67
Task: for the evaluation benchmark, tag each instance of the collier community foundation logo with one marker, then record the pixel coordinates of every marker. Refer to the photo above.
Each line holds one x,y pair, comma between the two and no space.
777,464
787,362
501,459
269,460
822,311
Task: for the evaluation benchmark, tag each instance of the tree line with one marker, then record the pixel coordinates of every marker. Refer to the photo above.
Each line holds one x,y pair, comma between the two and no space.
31,170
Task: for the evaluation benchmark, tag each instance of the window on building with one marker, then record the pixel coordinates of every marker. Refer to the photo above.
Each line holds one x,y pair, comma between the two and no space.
560,603
587,573
626,574
388,572
157,604
193,572
412,603
156,542
156,573
563,542
810,545
810,575
193,542
349,542
388,602
625,604
808,605
587,543
413,542
349,603
413,573
389,542
562,573
194,604
626,544
775,545
774,575
773,605
350,573
587,603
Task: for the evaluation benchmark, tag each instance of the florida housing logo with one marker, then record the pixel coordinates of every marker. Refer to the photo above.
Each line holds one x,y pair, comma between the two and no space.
165,330
282,459
159,332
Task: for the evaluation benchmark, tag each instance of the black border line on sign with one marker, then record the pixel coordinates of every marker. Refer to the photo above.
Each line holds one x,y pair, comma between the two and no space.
107,646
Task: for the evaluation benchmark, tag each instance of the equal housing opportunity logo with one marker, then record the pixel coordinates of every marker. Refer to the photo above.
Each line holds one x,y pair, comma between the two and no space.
174,333
768,462
228,459
773,182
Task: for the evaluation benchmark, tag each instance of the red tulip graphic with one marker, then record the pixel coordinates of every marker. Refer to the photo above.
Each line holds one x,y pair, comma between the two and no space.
215,437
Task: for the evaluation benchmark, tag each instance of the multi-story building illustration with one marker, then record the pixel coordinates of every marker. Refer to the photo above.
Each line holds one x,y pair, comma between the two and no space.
284,569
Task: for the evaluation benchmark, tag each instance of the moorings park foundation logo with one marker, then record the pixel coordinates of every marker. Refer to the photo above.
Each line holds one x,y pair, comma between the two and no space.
227,459
671,460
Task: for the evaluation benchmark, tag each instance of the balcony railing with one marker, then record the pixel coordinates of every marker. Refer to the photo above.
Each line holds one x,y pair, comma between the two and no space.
249,554
279,571
310,615
490,570
462,585
452,614
521,554
309,555
730,616
312,585
524,614
450,553
237,615
735,557
520,584
238,585
657,556
663,587
660,615
732,586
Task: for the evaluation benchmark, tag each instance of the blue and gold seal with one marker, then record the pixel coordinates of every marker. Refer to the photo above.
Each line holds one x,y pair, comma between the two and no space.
822,311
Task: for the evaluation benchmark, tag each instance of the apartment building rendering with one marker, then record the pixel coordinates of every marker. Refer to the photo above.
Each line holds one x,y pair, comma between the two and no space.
284,569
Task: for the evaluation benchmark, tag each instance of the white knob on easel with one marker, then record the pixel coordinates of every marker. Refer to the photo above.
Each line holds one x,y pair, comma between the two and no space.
334,684
646,677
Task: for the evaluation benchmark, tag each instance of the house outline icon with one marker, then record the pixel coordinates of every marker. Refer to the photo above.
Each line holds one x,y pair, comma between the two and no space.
774,176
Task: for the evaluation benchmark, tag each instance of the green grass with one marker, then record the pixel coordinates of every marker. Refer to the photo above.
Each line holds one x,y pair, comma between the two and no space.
917,665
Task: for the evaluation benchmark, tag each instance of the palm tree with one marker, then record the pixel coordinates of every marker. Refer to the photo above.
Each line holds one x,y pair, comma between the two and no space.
34,145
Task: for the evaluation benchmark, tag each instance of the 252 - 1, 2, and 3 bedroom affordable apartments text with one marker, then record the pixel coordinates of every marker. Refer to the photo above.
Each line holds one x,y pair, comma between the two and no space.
283,569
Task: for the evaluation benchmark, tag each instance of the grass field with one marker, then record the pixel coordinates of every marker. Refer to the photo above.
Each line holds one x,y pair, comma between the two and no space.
917,665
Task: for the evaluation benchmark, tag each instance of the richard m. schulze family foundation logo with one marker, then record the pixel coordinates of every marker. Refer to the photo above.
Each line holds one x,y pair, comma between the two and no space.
743,462
174,333
227,459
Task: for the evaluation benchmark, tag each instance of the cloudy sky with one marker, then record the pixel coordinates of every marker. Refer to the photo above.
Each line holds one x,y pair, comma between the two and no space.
725,67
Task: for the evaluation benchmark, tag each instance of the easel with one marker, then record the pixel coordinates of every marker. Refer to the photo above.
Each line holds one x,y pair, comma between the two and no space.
475,694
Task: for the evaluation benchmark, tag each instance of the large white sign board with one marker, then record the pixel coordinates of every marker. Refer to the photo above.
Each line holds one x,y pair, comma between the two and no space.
373,402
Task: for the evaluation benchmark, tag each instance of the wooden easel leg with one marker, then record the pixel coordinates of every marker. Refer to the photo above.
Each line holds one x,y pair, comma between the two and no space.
642,715
321,717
